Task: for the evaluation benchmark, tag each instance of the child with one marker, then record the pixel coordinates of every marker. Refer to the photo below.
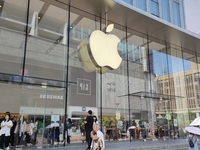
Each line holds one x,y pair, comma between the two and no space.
97,143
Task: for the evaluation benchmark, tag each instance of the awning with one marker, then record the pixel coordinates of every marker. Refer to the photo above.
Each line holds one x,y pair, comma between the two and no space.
157,96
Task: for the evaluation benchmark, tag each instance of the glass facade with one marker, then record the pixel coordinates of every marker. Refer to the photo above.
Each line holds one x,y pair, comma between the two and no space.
43,79
166,10
170,10
142,4
155,7
176,13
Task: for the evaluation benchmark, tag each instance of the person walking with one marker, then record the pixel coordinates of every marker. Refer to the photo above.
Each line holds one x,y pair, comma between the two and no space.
12,131
192,141
88,128
96,128
95,120
97,143
69,130
5,131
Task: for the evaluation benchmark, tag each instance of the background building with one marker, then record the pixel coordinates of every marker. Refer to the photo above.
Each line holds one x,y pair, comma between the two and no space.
41,74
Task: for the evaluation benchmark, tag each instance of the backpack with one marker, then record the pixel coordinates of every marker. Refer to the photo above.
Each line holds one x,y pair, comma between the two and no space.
191,144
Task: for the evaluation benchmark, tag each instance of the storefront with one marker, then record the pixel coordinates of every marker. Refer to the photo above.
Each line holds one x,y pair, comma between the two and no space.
42,74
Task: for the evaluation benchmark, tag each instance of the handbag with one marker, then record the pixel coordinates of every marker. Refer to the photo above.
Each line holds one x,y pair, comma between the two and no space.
61,137
69,132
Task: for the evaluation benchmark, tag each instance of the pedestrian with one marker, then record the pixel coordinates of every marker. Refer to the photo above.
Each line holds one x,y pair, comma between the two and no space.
12,131
192,141
96,128
88,128
69,130
35,131
97,143
6,125
95,120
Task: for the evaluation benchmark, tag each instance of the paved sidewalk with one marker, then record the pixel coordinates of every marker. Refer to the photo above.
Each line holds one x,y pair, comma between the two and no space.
177,144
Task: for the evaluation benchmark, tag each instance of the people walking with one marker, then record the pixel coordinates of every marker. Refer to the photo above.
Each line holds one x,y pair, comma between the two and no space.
12,131
99,133
69,130
5,131
192,141
95,120
88,128
97,143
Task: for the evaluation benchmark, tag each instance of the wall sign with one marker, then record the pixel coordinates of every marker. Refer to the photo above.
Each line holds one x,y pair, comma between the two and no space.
43,96
83,86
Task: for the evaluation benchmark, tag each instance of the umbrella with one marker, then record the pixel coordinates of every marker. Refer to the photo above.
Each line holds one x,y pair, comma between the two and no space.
132,127
194,130
49,126
195,122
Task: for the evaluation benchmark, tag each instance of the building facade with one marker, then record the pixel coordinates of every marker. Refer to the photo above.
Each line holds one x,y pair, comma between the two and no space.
169,10
42,76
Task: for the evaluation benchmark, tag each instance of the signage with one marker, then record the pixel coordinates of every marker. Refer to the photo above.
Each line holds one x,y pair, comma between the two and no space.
99,50
83,108
83,86
55,120
175,122
43,96
118,115
168,116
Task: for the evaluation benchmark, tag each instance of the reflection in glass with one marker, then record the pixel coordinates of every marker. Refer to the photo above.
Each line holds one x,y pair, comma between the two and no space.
176,8
142,4
165,9
154,7
129,1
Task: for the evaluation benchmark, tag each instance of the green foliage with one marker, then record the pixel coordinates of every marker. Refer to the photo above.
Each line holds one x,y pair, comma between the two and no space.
81,123
40,125
110,121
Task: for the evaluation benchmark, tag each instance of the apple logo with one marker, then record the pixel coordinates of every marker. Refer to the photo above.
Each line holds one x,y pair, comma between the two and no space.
99,50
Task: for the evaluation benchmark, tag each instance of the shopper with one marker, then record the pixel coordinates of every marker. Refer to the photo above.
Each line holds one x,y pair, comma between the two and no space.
192,140
99,134
69,130
5,131
88,128
12,134
97,143
95,120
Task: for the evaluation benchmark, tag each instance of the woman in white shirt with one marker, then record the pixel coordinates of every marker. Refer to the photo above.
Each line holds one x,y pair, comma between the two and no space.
5,131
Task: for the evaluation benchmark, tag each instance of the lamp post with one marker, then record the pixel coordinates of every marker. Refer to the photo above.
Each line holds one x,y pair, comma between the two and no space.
44,86
117,104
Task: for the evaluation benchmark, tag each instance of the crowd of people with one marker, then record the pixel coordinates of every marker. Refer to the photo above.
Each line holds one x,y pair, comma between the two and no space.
16,131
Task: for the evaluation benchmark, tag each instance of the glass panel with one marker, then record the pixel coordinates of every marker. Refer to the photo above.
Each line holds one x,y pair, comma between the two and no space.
142,4
46,44
191,82
166,12
129,1
176,10
177,68
81,95
154,7
46,67
12,37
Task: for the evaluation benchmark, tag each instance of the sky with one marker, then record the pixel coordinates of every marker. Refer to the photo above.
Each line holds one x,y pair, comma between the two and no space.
192,12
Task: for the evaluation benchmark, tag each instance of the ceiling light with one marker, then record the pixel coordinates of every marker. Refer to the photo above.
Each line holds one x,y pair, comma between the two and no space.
0,6
39,17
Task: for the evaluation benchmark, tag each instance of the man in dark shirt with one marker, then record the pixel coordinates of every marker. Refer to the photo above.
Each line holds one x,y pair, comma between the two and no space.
88,128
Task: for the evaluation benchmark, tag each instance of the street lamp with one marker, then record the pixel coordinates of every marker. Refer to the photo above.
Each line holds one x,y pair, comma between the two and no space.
117,104
44,86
